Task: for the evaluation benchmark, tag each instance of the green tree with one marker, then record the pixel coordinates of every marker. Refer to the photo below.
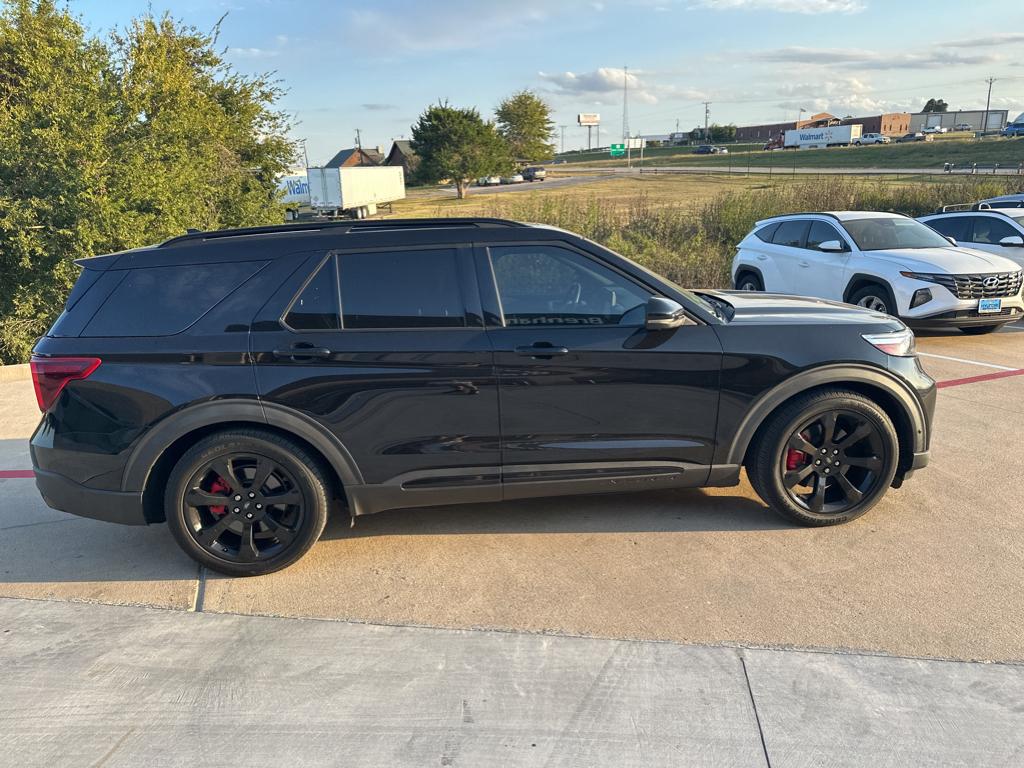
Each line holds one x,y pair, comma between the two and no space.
722,132
112,144
524,120
935,105
457,144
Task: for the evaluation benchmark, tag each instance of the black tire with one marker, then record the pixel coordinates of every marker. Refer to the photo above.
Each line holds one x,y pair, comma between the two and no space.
250,534
978,330
748,281
876,297
867,464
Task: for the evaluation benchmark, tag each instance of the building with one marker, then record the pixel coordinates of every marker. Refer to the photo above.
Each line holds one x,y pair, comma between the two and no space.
348,158
975,118
891,124
402,154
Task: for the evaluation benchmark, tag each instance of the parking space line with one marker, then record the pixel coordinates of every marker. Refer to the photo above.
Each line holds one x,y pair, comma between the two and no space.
16,474
982,377
969,362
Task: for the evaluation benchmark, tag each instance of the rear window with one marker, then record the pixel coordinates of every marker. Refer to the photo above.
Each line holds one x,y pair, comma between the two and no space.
161,301
765,233
790,233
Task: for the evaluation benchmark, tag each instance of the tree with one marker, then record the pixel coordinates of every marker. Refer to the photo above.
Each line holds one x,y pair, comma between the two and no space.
935,105
457,144
524,121
112,144
722,132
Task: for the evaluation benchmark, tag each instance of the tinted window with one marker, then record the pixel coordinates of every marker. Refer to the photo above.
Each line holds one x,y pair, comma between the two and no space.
880,233
957,227
766,232
403,289
546,285
821,232
160,301
989,229
316,306
790,233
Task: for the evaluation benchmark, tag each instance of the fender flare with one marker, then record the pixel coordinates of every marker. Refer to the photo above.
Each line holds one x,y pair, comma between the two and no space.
156,440
823,376
865,277
749,268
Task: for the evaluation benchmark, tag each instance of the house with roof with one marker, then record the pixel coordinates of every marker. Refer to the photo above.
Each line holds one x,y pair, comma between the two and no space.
354,157
404,155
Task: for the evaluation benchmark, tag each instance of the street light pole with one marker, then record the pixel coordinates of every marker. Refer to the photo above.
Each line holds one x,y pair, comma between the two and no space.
988,103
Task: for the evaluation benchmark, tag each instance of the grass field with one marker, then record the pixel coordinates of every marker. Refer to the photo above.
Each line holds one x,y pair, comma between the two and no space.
686,227
925,154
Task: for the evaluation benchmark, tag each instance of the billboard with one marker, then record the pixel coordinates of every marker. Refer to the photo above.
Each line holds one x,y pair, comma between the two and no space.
588,118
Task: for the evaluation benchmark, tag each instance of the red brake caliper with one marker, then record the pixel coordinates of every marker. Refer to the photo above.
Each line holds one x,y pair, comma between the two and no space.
795,459
219,486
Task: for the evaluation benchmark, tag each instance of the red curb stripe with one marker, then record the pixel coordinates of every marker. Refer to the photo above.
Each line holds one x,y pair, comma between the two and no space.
21,474
982,377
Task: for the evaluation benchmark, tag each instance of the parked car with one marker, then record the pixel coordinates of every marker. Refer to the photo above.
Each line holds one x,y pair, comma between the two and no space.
515,178
488,181
998,230
914,137
882,261
348,369
934,129
708,149
872,138
963,127
535,173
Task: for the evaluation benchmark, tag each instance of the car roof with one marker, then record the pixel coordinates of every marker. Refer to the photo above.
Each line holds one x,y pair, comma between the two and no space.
837,215
270,242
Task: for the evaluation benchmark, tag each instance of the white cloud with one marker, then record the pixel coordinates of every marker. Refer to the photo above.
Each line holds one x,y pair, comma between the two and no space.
604,86
252,53
997,38
864,59
809,7
841,96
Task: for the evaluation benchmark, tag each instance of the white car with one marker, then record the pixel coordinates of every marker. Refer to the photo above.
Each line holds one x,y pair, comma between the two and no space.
873,138
488,181
884,262
993,230
935,129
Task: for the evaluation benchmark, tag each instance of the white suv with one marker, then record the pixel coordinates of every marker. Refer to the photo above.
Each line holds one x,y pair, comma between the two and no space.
882,261
995,230
873,138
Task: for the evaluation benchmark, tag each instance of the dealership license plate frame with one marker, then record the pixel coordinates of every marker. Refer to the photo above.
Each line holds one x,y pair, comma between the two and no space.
990,306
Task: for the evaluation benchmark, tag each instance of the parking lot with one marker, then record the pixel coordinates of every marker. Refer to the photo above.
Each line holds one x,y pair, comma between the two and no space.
935,570
513,633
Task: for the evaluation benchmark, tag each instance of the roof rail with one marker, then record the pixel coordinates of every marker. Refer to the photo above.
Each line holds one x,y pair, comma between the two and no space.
956,207
342,227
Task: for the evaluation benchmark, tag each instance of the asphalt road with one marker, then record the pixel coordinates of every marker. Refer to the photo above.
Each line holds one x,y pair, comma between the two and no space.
552,182
936,570
781,168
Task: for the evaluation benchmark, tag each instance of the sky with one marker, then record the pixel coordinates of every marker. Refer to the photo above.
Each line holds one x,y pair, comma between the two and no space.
374,66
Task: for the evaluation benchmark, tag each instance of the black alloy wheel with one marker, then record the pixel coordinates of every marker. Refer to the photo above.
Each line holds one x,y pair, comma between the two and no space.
832,462
247,502
825,457
243,507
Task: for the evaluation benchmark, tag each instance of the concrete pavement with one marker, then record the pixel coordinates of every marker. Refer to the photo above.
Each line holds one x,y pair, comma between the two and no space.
118,686
935,570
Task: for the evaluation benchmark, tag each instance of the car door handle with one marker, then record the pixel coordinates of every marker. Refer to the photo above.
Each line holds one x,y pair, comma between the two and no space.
805,263
542,350
301,350
762,257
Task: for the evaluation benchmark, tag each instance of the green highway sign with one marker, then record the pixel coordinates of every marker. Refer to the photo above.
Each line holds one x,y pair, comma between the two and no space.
618,150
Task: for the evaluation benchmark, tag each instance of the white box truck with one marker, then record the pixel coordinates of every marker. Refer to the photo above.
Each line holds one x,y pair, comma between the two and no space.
354,192
818,138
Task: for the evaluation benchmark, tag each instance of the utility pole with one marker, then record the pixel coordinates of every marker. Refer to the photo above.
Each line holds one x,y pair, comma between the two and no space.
988,102
359,145
563,139
625,103
707,115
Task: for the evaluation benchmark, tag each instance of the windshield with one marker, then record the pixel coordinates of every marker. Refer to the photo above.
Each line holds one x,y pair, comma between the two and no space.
881,234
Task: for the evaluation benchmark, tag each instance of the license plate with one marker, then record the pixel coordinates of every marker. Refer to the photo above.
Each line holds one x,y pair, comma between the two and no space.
988,306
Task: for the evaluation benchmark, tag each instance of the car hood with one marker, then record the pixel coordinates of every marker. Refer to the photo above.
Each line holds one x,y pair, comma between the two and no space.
952,260
755,307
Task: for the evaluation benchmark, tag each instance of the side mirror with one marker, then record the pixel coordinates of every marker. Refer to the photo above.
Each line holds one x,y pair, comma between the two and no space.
663,314
831,246
952,240
1014,241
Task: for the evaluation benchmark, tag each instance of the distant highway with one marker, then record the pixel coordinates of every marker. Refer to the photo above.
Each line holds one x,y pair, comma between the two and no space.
781,169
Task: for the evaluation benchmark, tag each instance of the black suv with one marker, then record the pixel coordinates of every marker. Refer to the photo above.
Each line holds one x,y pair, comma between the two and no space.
240,385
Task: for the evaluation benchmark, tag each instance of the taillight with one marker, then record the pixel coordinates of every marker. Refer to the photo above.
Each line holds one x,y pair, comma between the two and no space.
51,374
